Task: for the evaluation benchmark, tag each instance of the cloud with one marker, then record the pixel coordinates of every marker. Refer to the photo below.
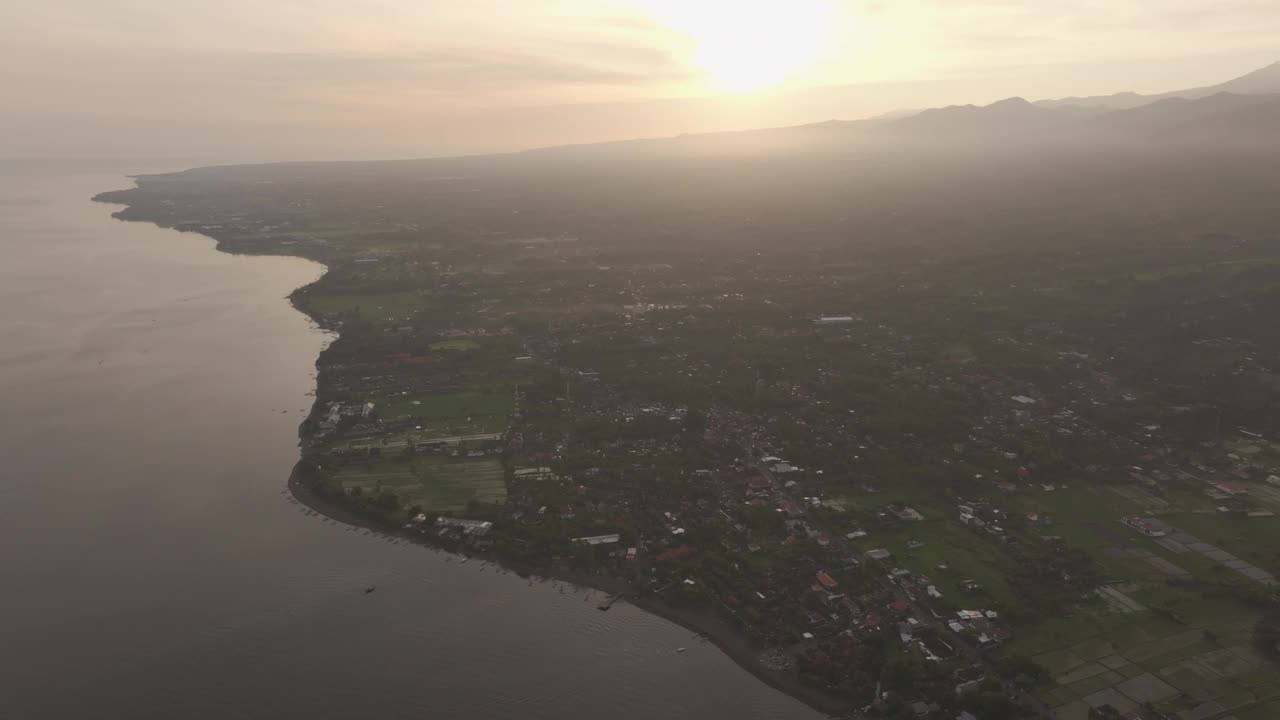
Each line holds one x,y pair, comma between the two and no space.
456,69
477,74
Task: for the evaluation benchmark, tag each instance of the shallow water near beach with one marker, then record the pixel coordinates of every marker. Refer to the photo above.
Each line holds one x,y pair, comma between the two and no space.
154,564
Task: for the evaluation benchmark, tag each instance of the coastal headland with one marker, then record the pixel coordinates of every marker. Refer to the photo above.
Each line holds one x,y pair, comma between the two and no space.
977,475
304,487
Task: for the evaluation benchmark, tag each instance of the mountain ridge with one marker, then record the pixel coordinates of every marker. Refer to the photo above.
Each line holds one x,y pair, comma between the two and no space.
1263,81
1232,119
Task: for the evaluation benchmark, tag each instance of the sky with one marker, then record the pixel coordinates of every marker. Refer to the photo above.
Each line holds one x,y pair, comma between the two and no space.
255,80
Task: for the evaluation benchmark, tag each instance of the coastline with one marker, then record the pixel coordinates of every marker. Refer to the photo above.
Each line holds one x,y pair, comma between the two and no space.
710,627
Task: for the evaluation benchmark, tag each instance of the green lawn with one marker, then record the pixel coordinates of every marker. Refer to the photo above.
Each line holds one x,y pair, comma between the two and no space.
439,484
482,408
967,555
456,345
385,308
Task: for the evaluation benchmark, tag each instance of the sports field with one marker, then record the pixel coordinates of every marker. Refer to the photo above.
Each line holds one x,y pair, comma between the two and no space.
476,409
385,308
439,484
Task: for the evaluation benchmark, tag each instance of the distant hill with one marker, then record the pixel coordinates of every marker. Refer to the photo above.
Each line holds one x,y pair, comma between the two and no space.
1224,112
1265,81
1196,120
1011,114
1233,113
1223,119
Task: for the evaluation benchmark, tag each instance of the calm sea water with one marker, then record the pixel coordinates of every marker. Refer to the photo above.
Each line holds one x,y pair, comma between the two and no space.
152,565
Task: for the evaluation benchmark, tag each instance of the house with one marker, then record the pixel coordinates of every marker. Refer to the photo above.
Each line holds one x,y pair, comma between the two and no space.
789,507
533,473
907,513
467,527
598,539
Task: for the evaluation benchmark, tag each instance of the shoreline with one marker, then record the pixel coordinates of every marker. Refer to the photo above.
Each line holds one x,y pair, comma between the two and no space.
708,626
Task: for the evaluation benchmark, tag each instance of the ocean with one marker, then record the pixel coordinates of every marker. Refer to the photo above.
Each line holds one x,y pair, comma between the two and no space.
153,563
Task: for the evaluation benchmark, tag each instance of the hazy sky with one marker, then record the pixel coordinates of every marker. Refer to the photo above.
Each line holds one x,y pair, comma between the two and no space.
272,79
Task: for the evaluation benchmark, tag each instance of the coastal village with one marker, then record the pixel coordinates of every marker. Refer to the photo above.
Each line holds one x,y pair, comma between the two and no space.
1036,516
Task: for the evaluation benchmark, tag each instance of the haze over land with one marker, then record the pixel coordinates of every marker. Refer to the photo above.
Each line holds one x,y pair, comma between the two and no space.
963,406
974,406
322,79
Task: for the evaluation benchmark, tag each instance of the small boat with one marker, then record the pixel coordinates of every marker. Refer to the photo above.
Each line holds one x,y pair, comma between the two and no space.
679,650
370,589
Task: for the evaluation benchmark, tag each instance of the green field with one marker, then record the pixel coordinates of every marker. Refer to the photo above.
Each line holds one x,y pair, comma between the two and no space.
456,345
966,555
387,308
478,409
1255,539
438,484
1207,652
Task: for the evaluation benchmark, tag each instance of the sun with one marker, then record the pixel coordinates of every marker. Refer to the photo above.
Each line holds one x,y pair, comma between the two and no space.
744,46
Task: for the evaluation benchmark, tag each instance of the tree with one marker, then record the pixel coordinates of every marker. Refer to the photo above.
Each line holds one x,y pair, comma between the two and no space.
1028,673
387,501
695,423
901,673
991,705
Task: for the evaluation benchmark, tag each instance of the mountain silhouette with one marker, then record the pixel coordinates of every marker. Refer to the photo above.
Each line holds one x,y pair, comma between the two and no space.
1264,81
